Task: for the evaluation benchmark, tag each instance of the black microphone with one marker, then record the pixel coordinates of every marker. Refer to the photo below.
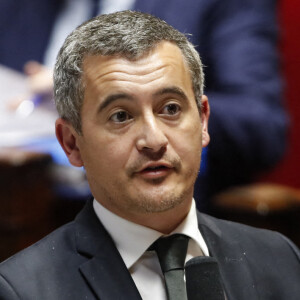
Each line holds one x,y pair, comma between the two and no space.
203,279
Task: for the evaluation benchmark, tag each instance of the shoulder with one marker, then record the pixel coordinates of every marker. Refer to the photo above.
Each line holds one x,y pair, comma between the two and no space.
59,240
57,244
36,266
46,270
234,235
52,267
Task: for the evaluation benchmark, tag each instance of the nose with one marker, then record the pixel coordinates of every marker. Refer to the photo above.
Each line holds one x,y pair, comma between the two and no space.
151,136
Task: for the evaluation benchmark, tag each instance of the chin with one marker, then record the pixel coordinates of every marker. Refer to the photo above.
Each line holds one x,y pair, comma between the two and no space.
159,201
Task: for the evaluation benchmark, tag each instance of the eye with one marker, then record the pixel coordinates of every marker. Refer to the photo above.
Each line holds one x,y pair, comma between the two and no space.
120,117
171,109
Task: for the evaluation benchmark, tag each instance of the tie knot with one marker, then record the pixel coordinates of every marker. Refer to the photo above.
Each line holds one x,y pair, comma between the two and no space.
171,251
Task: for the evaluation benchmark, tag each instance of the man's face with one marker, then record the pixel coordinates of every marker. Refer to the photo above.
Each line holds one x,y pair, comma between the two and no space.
142,132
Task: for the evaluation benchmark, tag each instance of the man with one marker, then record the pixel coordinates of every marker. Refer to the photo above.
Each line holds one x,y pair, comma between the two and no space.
129,91
237,40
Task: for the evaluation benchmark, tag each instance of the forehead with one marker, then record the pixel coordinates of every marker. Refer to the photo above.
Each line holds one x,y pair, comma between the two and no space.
163,59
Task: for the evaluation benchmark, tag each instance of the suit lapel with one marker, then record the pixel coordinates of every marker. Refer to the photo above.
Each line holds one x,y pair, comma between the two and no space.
104,270
108,277
237,278
108,280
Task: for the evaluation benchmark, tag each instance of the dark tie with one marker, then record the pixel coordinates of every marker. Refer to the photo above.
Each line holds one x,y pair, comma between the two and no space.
171,252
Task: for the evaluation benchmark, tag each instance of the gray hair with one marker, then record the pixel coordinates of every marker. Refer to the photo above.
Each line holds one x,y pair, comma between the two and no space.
129,34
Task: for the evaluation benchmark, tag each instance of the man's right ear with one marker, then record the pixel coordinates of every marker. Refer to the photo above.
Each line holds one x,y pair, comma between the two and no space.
67,137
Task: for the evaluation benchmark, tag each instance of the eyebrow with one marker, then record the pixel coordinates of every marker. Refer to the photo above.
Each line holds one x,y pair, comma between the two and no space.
114,97
171,90
168,90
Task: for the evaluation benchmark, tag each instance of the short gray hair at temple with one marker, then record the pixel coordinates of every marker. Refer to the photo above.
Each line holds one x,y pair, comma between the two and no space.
128,34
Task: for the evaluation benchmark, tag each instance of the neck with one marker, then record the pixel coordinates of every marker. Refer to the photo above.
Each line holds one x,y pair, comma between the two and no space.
164,222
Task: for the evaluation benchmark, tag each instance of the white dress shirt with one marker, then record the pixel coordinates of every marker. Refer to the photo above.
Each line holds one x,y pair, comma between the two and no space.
133,240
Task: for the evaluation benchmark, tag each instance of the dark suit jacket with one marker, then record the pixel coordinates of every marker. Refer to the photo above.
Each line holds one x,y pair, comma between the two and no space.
80,261
237,40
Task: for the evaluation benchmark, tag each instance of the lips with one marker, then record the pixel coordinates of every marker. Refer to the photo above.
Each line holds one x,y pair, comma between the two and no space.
155,170
155,165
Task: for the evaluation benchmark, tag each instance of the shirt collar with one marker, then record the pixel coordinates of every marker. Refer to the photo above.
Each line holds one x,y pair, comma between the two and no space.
132,239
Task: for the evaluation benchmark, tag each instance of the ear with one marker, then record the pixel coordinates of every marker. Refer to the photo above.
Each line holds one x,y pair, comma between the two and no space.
67,137
205,112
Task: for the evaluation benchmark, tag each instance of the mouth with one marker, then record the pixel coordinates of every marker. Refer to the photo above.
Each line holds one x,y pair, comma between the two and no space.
155,171
155,168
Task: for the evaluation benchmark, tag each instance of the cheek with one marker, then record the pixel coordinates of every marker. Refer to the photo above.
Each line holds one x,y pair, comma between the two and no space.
110,153
189,139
